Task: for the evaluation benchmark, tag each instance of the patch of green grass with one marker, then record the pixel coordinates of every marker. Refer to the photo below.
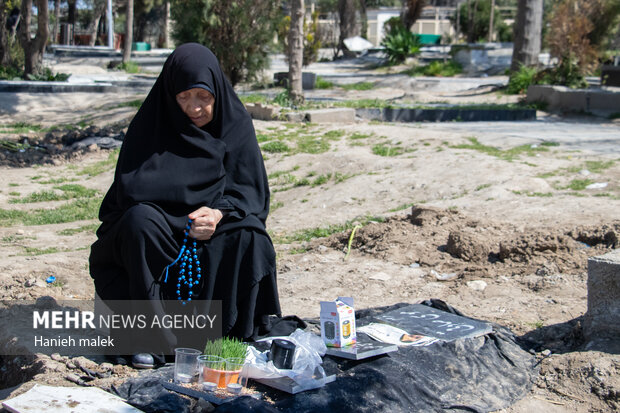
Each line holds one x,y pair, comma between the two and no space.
101,166
129,67
20,127
359,135
340,177
262,137
41,251
599,166
77,210
84,228
607,195
57,181
253,98
334,134
358,86
403,206
387,150
547,143
481,187
14,193
69,191
578,184
508,154
533,194
275,205
12,184
436,68
298,250
275,147
130,104
538,324
322,232
321,179
323,84
312,144
363,103
577,194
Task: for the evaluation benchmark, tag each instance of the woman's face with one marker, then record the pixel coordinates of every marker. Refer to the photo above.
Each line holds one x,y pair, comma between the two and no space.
197,104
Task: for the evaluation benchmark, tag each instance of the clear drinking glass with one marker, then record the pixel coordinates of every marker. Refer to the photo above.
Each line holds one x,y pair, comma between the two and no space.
236,379
212,370
185,364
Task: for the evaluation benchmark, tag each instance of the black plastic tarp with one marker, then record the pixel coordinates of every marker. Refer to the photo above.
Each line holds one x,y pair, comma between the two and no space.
479,374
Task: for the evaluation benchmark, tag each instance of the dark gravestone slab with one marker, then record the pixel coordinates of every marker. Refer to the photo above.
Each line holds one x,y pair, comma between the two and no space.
428,321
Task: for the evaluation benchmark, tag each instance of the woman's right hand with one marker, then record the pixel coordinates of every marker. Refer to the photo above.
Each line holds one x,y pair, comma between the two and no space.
204,222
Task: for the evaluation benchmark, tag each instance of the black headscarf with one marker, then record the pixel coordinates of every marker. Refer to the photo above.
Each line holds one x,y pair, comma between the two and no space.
169,162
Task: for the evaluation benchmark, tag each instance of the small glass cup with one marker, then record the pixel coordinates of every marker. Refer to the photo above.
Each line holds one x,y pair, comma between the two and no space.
185,364
212,369
236,379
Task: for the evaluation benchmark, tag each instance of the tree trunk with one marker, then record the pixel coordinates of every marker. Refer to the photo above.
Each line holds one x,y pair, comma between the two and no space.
56,21
99,8
128,32
33,48
4,36
491,18
71,12
527,34
166,44
346,13
411,13
296,51
471,20
364,18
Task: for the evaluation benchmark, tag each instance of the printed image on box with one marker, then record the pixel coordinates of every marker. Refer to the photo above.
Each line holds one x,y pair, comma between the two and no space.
338,322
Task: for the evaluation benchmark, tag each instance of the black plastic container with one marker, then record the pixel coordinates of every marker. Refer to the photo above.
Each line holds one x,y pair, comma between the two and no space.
282,353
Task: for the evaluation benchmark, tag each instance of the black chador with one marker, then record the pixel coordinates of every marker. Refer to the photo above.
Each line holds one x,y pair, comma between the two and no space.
169,167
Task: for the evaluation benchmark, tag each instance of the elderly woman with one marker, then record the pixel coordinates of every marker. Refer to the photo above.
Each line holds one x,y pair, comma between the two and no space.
190,175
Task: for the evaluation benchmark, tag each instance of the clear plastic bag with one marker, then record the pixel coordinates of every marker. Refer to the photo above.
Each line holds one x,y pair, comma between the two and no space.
307,361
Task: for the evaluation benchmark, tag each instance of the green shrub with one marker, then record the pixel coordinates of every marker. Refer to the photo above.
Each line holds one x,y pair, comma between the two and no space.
520,80
399,42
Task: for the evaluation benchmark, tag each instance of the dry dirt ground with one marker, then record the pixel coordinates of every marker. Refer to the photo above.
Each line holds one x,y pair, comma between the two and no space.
501,235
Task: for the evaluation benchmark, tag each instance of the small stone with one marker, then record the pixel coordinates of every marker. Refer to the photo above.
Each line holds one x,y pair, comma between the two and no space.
57,357
74,378
546,352
31,282
84,362
106,366
445,276
477,285
322,248
414,265
70,364
92,147
20,232
380,276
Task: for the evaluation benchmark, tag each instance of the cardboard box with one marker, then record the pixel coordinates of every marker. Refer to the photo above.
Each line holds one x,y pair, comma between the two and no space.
338,322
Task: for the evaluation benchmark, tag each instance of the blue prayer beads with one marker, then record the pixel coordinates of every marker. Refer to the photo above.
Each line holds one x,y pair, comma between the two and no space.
189,261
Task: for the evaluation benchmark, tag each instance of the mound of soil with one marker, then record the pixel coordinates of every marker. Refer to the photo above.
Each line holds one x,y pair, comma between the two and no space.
453,243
